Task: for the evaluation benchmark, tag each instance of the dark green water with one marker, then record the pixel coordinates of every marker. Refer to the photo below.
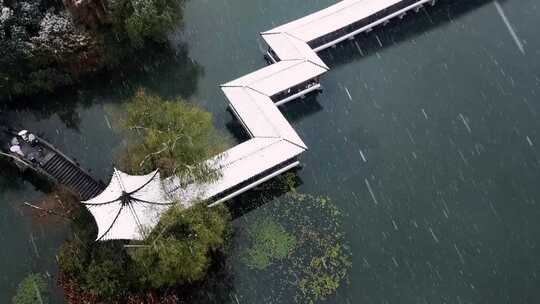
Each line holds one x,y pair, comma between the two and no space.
443,105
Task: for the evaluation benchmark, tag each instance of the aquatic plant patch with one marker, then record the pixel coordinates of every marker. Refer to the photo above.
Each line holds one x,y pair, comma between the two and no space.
270,243
297,246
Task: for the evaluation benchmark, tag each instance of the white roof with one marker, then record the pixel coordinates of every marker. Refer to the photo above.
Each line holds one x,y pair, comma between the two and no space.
239,164
278,77
260,115
291,48
332,18
118,221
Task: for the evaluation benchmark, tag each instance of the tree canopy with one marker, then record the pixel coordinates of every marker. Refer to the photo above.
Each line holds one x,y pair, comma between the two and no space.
171,135
41,47
47,44
144,20
179,247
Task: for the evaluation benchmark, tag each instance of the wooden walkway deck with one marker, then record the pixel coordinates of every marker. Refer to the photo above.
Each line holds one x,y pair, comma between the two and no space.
72,176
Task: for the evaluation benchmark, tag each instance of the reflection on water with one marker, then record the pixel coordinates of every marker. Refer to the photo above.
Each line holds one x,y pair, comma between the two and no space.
165,71
10,178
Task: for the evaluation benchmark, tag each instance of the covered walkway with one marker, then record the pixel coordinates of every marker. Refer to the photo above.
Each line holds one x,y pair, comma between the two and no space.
254,98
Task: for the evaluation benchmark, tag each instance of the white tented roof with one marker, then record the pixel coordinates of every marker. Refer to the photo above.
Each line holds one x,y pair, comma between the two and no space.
290,48
260,115
238,165
332,18
278,77
129,206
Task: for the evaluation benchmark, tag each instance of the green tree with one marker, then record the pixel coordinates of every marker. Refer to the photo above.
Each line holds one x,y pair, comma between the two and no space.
31,290
179,249
173,136
145,20
108,276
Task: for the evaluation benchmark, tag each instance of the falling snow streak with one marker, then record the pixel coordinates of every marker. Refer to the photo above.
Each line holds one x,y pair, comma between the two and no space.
459,254
362,155
371,191
465,123
509,27
348,94
435,238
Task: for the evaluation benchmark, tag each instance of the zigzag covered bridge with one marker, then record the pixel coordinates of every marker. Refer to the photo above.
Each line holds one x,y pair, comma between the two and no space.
274,145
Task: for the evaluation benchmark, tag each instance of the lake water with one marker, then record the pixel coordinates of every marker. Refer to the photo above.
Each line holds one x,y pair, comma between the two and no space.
436,114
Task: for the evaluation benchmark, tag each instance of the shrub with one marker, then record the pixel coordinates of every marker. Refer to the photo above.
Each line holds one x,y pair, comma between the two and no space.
31,290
